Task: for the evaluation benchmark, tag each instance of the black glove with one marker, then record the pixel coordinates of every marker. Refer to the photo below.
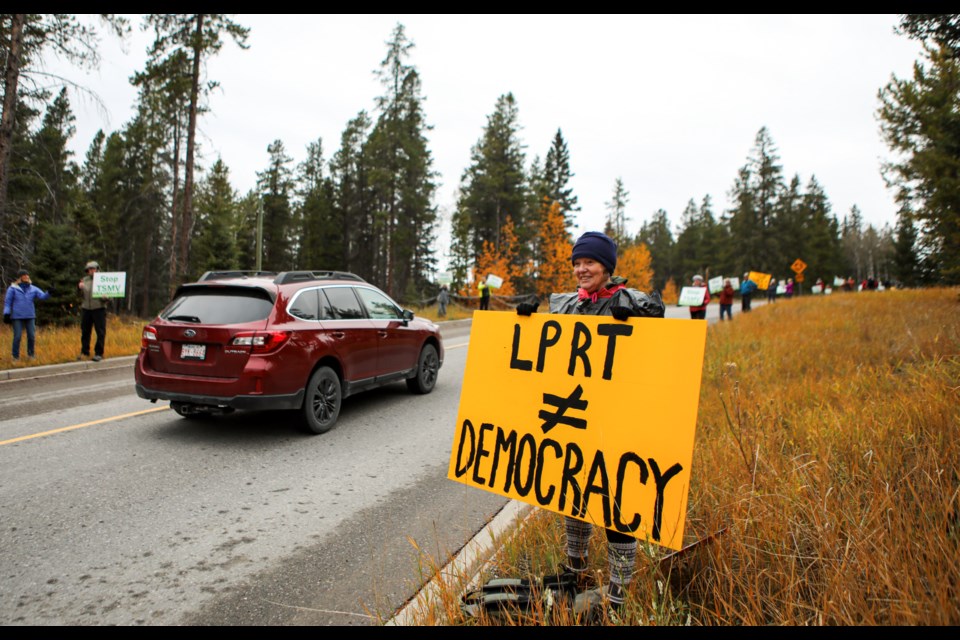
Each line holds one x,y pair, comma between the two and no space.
622,313
6,319
50,291
526,308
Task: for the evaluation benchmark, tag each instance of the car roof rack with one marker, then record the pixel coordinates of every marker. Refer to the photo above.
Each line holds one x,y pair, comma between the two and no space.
217,275
285,277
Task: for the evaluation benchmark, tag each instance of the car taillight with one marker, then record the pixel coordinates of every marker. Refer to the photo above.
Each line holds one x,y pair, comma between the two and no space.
261,341
149,335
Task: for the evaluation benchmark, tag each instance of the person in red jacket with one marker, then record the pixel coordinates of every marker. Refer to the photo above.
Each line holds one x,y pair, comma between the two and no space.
700,312
726,300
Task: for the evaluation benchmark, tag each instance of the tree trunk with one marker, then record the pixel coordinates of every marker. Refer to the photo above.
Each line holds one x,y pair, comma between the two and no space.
11,77
174,210
186,228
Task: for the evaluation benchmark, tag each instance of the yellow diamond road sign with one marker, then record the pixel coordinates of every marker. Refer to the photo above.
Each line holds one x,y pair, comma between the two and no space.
798,265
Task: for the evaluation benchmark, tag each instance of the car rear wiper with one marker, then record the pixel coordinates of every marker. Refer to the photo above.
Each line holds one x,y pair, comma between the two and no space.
185,319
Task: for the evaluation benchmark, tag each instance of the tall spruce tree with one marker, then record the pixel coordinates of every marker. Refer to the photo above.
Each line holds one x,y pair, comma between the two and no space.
401,179
164,94
199,36
24,38
275,185
821,251
657,235
756,194
351,196
493,187
322,235
920,122
214,235
556,179
695,249
616,223
907,269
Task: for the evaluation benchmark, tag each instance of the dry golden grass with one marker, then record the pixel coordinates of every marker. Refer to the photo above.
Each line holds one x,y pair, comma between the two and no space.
828,453
56,345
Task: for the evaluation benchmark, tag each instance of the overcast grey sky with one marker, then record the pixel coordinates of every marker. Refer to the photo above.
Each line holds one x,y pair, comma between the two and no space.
669,104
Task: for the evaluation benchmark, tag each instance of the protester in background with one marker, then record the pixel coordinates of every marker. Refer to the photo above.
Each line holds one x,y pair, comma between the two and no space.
20,311
93,315
443,298
747,289
484,295
600,293
788,290
726,300
699,312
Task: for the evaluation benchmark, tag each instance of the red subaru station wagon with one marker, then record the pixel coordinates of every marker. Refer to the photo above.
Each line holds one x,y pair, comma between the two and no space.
300,340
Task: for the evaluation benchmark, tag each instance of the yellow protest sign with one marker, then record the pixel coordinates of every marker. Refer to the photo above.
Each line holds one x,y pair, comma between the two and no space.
586,416
762,280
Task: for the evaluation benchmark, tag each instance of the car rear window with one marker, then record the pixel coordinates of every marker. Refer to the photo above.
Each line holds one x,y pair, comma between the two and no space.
219,305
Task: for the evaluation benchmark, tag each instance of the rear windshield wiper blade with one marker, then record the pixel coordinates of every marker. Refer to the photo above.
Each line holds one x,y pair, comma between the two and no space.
185,319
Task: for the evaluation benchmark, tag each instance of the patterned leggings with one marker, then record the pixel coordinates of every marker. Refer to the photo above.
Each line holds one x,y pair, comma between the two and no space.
621,553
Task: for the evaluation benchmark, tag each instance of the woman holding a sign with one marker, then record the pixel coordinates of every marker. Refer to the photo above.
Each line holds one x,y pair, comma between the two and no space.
699,312
599,293
93,316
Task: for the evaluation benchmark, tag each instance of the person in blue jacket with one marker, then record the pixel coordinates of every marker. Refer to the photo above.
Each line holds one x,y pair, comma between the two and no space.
747,289
19,310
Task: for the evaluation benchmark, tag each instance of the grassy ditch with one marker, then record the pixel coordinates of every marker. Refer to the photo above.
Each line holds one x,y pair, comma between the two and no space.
828,455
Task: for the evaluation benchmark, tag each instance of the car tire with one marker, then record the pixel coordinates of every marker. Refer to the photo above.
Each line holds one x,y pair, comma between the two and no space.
428,366
322,401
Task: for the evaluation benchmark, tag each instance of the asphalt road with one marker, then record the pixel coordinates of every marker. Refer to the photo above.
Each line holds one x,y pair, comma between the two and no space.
116,511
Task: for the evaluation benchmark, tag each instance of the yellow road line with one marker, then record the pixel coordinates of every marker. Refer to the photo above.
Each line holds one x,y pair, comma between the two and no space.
80,426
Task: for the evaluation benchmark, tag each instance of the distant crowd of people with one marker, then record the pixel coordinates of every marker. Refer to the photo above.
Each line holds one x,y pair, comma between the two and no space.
749,289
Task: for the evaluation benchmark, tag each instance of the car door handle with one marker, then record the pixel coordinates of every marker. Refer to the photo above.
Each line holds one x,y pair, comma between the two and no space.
338,334
383,334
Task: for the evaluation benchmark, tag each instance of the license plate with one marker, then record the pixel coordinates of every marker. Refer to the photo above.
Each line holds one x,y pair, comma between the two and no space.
193,351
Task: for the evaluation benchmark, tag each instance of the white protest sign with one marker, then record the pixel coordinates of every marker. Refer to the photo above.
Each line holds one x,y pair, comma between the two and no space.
838,282
494,282
816,288
715,284
692,296
828,291
735,283
109,284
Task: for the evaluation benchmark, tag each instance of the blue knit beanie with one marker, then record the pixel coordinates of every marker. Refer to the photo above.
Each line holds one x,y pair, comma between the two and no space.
597,246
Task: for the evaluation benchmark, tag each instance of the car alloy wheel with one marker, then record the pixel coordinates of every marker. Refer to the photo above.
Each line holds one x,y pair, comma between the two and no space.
321,406
428,366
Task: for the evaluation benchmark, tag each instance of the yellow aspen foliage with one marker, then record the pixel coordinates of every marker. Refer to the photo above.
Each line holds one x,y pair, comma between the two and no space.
670,294
634,265
555,272
498,261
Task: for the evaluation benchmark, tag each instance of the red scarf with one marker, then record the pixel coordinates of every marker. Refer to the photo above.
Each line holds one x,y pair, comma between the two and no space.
602,293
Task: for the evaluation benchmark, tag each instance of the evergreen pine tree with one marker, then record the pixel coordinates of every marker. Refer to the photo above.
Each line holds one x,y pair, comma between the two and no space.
275,185
493,187
214,237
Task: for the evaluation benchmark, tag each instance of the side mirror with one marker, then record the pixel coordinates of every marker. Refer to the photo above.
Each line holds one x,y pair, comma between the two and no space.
407,315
